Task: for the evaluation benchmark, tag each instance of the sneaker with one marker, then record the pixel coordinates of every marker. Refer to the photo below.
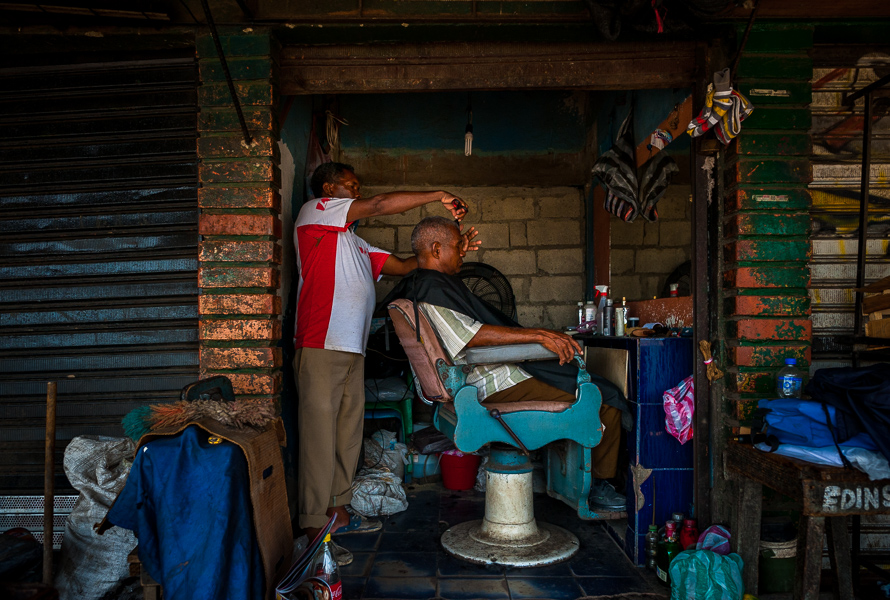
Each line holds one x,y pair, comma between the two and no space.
604,497
340,554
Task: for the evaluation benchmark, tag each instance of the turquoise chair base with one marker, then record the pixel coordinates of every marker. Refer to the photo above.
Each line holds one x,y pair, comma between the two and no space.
568,436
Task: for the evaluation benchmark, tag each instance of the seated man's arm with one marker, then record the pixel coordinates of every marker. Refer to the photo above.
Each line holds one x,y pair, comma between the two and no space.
457,331
495,335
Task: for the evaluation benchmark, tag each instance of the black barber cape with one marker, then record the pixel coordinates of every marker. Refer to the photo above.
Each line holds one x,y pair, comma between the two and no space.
861,397
448,291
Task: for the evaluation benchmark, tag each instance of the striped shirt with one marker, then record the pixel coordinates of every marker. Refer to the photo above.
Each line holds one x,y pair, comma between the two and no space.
455,330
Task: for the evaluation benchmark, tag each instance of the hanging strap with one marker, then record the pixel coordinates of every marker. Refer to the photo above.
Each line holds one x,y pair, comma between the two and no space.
830,425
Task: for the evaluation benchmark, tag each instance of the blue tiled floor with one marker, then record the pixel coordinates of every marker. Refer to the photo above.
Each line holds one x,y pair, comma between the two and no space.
405,560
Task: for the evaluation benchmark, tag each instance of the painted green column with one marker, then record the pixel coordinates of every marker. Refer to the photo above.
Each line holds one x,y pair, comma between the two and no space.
766,226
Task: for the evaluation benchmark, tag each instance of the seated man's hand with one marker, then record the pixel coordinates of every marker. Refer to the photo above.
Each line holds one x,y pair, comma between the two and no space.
467,238
563,345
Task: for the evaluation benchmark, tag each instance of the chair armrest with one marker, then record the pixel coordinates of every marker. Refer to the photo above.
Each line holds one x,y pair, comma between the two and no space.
485,355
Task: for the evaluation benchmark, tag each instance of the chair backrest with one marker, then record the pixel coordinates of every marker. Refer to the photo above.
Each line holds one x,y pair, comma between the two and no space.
423,354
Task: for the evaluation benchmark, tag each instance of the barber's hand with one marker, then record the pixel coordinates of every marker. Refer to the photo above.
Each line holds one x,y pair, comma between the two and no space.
457,207
467,238
563,345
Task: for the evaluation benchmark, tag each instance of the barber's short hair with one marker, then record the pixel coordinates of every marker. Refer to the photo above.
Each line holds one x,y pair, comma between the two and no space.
429,230
331,172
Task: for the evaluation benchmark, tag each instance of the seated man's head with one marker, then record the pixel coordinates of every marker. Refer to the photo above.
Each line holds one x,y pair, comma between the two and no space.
438,245
335,180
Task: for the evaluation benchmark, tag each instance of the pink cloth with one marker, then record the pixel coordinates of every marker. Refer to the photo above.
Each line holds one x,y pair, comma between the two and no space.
679,409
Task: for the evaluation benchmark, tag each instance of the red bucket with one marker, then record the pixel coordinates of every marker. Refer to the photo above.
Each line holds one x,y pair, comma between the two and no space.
459,472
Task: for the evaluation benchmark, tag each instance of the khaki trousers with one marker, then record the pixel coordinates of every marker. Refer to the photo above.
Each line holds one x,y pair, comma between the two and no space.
330,417
605,454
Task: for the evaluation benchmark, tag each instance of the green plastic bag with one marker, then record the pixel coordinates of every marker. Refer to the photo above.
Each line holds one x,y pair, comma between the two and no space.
706,575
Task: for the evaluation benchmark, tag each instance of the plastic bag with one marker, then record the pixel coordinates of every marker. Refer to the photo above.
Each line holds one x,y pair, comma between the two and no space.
706,575
382,450
715,538
378,492
390,389
679,409
92,564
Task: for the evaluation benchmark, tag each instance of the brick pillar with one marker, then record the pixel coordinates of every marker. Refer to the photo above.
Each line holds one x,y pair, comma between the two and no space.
240,225
767,224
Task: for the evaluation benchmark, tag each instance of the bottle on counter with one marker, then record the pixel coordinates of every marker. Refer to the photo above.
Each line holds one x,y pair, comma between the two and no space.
590,311
608,318
325,567
621,318
688,535
651,547
668,547
789,380
580,314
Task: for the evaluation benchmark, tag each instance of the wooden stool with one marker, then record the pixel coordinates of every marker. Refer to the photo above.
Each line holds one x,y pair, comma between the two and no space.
827,496
151,589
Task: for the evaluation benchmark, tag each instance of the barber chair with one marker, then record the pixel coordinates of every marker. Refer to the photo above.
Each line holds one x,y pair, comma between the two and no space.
509,533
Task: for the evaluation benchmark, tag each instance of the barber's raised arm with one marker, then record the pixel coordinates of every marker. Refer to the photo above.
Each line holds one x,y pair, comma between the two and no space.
496,335
392,203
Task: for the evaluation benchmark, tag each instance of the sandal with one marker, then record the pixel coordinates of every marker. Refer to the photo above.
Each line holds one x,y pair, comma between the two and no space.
359,524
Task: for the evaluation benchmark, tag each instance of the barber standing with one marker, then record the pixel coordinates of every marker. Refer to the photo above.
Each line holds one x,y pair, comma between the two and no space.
335,300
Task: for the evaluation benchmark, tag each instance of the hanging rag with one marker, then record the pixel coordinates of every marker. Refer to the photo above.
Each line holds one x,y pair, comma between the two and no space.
725,109
679,410
630,192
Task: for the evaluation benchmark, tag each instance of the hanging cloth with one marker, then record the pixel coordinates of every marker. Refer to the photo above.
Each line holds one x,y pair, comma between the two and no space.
630,192
725,109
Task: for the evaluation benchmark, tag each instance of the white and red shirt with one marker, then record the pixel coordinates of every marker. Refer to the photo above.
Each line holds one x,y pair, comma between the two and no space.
337,270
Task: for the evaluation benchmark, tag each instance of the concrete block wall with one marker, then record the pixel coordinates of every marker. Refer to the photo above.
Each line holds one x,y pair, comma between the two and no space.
766,225
534,236
644,254
240,225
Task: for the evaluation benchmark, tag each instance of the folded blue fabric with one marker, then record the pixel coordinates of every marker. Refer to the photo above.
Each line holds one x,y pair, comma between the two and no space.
804,423
188,502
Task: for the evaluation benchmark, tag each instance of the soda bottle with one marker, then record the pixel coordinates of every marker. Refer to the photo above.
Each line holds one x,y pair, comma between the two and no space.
789,380
651,547
689,534
325,568
667,549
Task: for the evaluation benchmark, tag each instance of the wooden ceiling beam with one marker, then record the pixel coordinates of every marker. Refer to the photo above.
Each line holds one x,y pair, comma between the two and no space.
389,68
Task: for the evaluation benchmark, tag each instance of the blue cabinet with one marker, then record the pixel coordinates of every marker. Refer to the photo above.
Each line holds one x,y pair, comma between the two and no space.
654,366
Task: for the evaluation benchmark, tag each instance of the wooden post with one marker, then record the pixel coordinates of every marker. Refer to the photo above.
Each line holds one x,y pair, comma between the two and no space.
745,539
49,473
810,534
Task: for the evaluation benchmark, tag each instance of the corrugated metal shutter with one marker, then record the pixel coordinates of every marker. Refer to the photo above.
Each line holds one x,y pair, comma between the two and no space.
837,159
98,238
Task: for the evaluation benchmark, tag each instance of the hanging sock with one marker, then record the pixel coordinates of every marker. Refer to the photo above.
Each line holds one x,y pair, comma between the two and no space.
725,109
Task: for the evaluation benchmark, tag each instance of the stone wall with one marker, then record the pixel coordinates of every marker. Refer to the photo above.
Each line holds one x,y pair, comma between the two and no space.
644,254
534,236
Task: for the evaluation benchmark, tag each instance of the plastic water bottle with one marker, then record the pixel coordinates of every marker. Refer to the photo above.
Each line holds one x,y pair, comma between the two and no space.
789,380
651,547
325,568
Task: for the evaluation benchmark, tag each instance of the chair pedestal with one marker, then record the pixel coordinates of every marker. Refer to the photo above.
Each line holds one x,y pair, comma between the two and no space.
509,534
